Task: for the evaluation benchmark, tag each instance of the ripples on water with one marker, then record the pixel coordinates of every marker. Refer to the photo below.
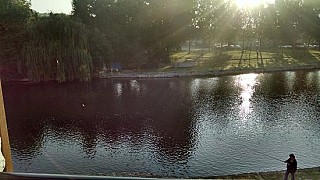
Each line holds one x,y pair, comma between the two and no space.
192,127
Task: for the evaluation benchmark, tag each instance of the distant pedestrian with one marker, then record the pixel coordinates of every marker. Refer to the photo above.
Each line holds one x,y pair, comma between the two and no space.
291,167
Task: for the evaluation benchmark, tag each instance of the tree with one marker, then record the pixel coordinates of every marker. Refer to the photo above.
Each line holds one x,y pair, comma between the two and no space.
289,21
211,20
14,18
311,20
57,48
83,9
138,32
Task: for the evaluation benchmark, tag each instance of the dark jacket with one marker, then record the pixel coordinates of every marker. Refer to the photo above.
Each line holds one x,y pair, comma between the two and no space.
291,165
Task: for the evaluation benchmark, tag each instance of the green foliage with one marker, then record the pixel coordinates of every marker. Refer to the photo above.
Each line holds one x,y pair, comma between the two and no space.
14,17
83,9
282,22
99,48
14,11
140,31
57,48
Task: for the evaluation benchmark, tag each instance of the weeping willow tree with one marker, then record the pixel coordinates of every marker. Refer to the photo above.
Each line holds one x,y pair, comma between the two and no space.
57,49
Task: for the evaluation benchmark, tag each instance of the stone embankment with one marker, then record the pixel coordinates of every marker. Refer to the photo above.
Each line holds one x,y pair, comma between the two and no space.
187,73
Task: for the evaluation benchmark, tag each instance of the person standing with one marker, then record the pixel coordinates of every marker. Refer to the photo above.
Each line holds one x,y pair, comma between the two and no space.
291,167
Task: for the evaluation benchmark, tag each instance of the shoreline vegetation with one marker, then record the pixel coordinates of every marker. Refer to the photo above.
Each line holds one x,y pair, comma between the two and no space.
177,37
208,64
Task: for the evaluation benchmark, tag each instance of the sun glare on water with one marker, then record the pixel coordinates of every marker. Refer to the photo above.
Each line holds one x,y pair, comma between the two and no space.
251,3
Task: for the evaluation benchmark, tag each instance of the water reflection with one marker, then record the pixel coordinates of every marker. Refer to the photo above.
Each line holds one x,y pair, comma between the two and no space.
88,117
290,79
246,83
135,86
170,127
118,89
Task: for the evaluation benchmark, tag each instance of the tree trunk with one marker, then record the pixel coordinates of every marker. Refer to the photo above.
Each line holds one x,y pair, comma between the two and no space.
209,42
242,48
260,39
250,49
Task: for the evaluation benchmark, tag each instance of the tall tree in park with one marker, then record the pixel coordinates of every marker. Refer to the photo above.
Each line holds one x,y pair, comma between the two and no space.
83,9
289,20
220,21
229,23
311,20
270,26
57,48
140,31
99,45
209,15
169,25
14,18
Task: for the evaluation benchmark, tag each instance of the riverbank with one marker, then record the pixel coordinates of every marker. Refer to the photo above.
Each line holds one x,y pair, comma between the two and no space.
185,72
198,63
302,174
203,73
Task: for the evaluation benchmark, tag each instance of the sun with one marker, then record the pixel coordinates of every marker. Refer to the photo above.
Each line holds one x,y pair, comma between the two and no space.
249,4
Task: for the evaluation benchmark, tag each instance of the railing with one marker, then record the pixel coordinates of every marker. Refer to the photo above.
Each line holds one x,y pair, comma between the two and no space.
37,176
5,144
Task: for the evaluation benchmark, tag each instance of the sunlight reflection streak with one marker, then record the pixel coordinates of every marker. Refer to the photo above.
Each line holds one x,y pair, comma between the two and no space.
246,83
118,89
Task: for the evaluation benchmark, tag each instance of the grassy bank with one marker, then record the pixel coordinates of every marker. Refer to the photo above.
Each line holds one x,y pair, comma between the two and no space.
206,61
202,63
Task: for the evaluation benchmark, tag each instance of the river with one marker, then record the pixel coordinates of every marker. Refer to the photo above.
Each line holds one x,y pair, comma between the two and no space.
175,127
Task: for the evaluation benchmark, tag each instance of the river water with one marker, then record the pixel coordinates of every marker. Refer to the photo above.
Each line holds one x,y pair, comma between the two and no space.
178,127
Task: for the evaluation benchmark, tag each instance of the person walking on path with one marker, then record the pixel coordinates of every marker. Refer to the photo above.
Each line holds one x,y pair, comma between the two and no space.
291,167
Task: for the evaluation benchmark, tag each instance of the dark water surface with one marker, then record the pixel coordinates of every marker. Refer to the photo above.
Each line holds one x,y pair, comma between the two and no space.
188,127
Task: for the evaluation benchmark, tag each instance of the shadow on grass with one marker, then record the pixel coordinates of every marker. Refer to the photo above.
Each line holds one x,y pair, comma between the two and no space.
278,58
222,57
303,56
270,58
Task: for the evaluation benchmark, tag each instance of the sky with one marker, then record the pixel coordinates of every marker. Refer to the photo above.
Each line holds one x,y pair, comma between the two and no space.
56,6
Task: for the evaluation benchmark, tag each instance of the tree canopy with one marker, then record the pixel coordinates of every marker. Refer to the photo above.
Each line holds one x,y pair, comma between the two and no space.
14,18
57,47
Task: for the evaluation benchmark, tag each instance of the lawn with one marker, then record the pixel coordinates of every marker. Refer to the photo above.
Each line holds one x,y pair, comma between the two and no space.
232,59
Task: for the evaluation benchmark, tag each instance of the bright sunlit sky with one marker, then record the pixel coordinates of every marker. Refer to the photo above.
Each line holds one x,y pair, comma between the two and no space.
251,3
64,6
56,6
